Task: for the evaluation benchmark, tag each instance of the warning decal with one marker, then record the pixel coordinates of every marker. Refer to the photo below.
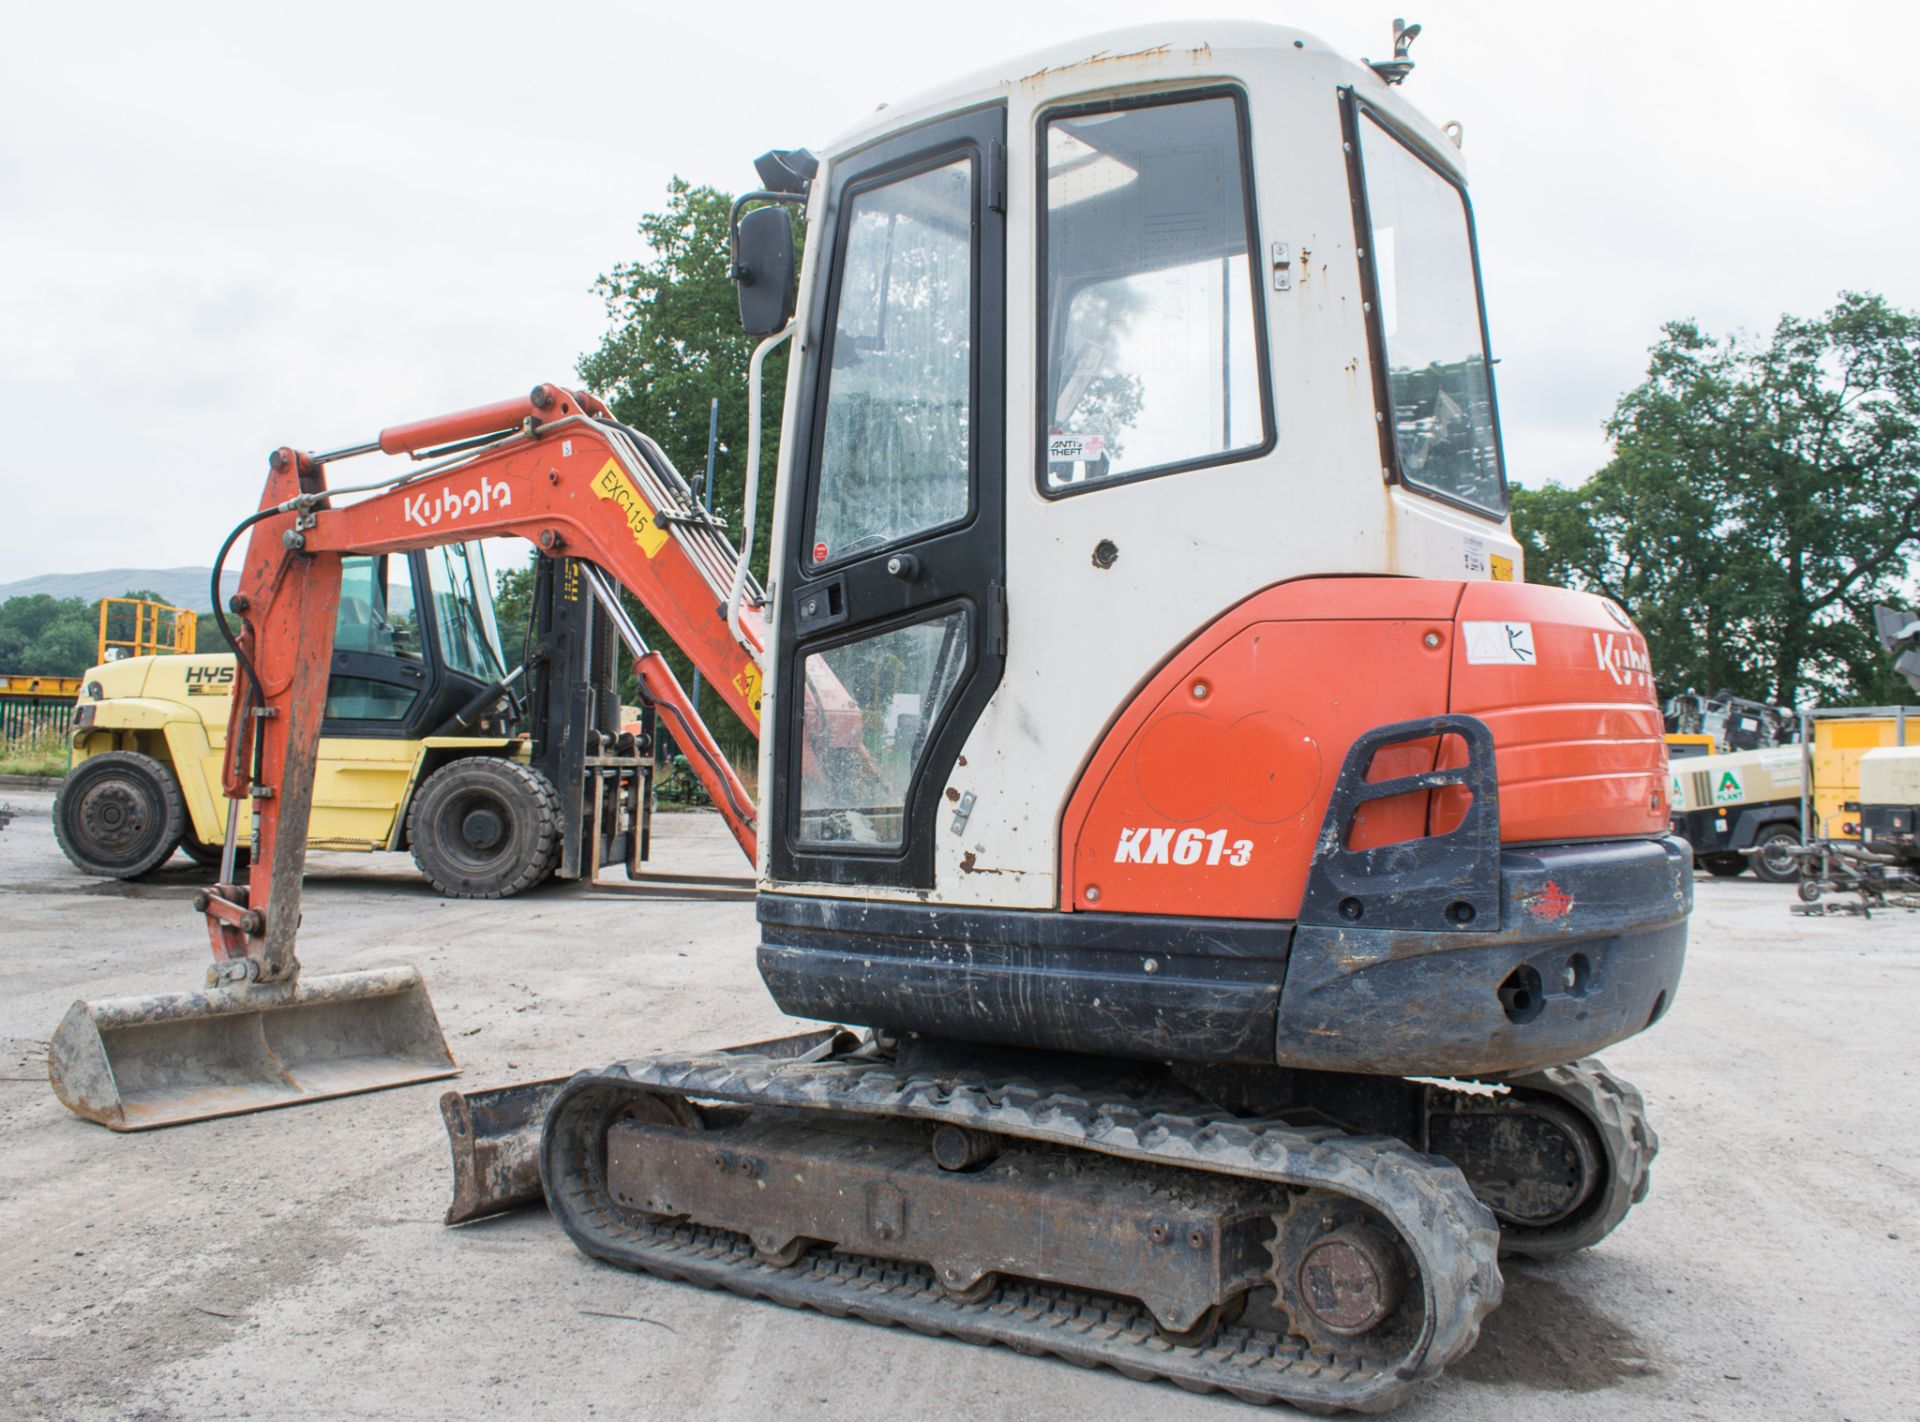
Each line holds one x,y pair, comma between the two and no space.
1062,447
747,683
1499,643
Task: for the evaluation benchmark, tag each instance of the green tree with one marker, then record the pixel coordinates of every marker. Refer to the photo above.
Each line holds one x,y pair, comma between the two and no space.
48,636
512,597
1761,497
672,347
206,634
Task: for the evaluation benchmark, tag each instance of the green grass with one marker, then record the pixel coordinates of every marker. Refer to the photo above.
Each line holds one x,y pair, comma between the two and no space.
43,754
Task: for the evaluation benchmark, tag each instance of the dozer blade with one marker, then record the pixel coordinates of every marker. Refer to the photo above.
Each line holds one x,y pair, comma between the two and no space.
494,1136
134,1063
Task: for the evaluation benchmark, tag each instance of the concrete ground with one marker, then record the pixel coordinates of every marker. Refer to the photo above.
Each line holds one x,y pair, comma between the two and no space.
292,1264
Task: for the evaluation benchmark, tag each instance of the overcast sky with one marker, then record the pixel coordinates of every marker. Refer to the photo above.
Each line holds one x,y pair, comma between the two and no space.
224,228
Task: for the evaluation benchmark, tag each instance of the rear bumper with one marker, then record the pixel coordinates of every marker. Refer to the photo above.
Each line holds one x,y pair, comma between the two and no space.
1111,984
1588,950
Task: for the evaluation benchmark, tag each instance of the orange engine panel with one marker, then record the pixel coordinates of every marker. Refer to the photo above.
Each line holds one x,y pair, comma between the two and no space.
1206,795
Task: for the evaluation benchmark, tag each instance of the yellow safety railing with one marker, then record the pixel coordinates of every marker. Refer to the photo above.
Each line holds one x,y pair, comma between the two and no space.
138,628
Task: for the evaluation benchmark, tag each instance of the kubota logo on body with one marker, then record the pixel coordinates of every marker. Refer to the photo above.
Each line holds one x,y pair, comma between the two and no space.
427,508
1627,664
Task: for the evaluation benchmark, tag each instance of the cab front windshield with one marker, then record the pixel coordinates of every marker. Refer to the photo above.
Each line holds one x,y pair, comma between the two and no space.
1428,311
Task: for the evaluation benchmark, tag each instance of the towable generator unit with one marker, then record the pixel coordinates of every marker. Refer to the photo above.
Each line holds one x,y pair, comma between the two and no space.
1234,862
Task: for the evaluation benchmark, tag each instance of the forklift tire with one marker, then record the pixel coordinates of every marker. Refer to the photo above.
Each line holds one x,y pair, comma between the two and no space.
1725,866
483,828
119,815
1778,869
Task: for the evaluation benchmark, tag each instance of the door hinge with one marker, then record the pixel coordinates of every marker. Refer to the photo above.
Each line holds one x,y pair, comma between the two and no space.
996,177
1282,267
997,619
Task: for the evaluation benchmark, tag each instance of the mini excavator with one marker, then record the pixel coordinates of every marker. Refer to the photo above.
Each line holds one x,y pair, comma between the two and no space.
1233,861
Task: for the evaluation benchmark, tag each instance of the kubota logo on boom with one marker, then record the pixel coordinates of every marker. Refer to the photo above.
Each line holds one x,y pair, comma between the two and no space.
1620,659
426,509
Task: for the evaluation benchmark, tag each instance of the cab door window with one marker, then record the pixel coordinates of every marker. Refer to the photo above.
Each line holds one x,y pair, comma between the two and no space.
1428,323
377,615
463,611
870,707
896,456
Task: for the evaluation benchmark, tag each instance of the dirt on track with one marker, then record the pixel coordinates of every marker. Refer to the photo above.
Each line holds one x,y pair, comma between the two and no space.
292,1265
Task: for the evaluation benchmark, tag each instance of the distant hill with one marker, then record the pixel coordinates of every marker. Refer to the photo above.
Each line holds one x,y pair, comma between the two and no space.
183,587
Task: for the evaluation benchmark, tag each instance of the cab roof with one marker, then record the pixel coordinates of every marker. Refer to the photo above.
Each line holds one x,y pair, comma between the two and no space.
1137,55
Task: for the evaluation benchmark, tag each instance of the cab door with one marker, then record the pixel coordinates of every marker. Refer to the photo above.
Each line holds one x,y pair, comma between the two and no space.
891,629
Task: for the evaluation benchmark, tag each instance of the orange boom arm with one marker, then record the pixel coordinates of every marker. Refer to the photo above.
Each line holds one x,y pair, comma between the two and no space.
554,468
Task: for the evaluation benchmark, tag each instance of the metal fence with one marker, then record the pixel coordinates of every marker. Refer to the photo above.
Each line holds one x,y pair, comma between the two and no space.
26,718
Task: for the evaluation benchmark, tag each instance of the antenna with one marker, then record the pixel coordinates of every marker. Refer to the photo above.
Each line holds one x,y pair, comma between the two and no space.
1396,70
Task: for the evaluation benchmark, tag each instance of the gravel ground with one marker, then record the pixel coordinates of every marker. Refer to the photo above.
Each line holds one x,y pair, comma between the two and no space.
292,1265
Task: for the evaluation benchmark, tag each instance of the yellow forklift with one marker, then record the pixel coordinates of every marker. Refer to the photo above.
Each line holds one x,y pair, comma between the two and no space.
427,744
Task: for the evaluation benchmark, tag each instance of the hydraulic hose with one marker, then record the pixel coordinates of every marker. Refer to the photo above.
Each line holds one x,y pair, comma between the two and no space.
220,620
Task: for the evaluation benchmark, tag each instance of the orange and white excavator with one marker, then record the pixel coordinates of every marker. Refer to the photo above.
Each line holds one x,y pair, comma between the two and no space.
1233,861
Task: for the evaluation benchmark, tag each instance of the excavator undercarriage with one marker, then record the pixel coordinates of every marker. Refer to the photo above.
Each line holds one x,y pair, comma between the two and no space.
1099,1211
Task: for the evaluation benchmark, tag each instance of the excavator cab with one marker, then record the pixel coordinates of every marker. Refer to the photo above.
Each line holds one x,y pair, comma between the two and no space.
1142,491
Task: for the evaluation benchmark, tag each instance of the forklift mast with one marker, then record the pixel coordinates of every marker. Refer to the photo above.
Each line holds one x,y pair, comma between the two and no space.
601,767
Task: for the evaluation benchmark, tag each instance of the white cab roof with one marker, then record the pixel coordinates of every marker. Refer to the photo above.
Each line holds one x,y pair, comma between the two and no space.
1138,55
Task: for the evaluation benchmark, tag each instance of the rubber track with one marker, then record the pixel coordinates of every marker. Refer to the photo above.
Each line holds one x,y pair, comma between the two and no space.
1451,1236
1618,1114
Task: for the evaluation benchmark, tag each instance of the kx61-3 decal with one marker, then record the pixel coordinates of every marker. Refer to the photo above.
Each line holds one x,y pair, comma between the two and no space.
1153,845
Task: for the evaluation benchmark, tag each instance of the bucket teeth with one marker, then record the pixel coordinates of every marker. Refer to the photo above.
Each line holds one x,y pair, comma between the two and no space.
134,1063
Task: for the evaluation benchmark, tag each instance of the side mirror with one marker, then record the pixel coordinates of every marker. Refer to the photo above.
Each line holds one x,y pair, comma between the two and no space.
763,269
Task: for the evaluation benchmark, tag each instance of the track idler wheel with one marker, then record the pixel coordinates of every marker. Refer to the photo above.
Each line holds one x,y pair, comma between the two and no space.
1559,1158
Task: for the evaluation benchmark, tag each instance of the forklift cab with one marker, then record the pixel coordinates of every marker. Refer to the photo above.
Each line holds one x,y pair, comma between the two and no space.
414,643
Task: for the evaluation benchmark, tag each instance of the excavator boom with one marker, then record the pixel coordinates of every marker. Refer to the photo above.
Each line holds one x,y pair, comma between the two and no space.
553,467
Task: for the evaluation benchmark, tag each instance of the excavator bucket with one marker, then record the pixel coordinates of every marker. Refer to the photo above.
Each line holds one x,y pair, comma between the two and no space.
134,1063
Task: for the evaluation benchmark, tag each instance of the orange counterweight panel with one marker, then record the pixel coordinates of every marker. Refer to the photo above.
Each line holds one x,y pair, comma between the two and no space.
1206,797
1576,727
